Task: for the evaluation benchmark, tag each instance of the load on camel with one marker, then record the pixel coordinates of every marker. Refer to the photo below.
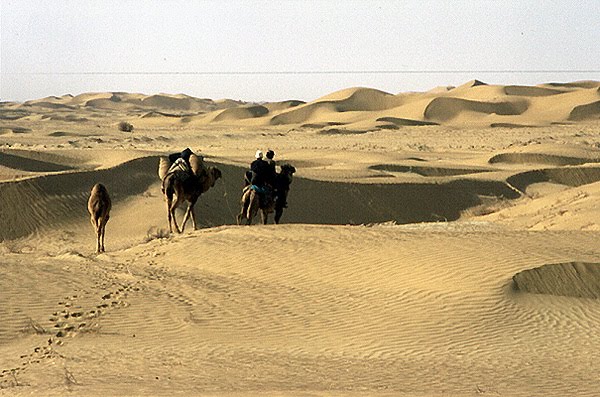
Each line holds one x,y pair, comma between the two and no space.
185,178
273,201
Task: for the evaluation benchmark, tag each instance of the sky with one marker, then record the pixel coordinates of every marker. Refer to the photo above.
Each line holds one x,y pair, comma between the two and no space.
290,49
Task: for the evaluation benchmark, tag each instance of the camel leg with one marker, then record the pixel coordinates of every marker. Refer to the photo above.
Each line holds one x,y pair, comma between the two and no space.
249,210
172,212
93,222
185,218
250,214
244,209
252,207
174,220
169,215
280,204
278,213
264,216
98,228
188,212
98,245
193,213
104,221
101,236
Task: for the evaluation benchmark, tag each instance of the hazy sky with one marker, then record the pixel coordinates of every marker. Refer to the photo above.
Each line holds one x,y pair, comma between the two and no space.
218,49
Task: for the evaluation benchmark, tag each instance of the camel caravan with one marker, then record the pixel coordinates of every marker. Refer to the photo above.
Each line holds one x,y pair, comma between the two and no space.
185,177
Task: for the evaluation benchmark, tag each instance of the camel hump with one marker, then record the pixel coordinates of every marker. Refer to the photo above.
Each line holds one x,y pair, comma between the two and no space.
99,190
99,198
163,167
197,164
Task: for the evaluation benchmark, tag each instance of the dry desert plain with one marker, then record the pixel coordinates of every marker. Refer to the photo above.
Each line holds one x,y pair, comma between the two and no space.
436,243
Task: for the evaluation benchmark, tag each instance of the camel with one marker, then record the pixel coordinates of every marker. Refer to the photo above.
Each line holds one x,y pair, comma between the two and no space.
187,186
276,203
99,206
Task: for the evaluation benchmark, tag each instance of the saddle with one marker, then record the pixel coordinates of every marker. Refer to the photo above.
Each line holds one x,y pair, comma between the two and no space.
265,195
179,165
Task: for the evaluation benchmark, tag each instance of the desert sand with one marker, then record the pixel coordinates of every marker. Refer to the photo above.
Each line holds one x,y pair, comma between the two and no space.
436,243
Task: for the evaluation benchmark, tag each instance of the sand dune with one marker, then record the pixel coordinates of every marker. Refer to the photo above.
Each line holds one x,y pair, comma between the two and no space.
549,154
576,84
304,114
587,111
473,103
240,113
55,199
51,105
554,202
127,102
61,198
169,102
355,99
109,103
302,327
278,106
571,176
576,279
434,244
14,130
29,164
427,171
446,109
519,90
405,122
360,99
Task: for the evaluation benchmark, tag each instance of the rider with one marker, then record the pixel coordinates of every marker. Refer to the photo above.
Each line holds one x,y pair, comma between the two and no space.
272,171
258,176
260,170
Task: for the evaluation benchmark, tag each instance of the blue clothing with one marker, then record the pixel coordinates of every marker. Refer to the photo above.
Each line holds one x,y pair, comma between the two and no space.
259,189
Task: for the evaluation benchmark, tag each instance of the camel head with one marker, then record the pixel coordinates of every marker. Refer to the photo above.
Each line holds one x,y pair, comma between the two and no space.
213,174
288,169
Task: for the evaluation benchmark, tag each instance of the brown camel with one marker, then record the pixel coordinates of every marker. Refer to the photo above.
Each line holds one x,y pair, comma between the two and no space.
187,186
275,202
99,208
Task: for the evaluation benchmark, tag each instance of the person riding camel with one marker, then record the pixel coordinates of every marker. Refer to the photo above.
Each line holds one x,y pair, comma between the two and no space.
258,176
272,165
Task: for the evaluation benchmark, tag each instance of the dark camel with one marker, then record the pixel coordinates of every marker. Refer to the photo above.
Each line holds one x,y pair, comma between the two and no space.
251,202
99,205
187,186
